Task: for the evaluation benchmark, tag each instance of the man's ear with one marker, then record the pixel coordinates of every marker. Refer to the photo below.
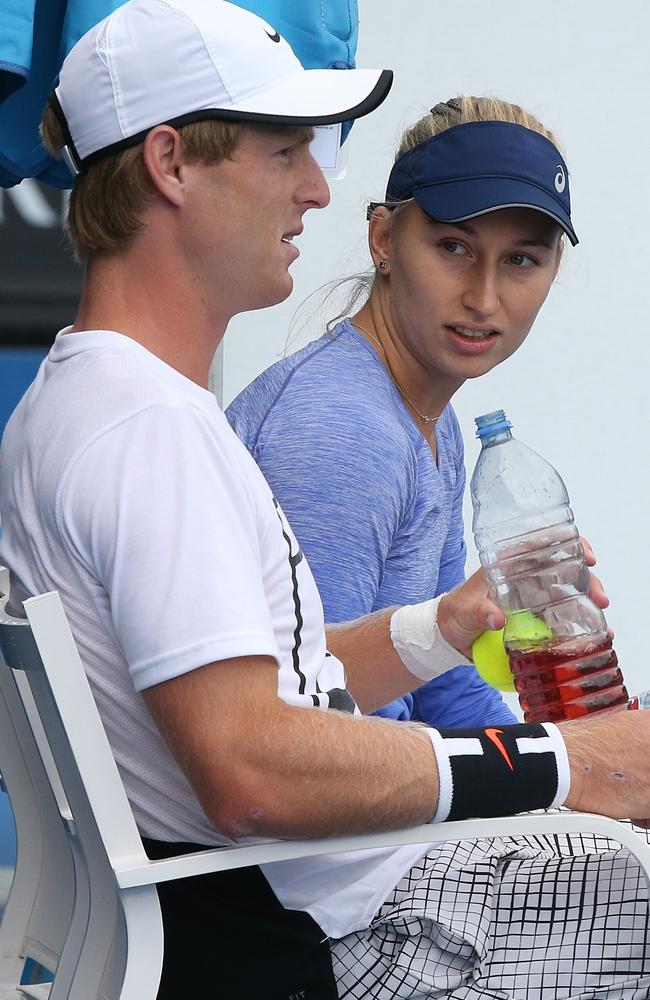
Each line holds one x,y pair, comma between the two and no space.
379,234
164,161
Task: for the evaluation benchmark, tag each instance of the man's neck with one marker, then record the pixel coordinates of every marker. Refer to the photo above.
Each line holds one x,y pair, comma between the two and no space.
153,305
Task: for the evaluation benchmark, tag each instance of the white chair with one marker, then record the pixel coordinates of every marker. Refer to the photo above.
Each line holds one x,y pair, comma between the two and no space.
38,916
108,941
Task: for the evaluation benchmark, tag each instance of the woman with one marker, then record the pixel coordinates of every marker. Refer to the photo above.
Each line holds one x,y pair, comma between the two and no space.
355,432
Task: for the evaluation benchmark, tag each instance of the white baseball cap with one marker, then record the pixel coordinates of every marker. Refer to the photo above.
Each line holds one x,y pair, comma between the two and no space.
176,61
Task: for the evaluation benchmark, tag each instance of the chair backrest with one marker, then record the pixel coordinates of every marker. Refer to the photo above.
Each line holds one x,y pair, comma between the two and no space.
75,732
40,905
67,821
39,908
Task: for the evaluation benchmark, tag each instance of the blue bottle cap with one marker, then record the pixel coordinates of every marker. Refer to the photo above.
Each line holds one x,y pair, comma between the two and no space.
488,425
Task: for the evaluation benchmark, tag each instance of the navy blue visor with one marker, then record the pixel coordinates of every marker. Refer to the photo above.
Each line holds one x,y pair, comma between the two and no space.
479,167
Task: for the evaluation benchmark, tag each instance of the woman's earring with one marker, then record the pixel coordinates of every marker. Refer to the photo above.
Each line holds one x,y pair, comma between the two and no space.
383,265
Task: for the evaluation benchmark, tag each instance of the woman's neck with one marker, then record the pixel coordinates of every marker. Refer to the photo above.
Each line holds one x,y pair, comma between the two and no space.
424,390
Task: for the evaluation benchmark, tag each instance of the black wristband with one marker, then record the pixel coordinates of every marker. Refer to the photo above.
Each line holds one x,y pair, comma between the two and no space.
499,770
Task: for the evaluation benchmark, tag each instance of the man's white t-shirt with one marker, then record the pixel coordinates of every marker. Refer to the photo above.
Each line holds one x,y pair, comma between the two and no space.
124,488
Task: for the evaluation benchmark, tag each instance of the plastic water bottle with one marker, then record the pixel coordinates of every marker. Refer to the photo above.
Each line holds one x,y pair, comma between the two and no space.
560,654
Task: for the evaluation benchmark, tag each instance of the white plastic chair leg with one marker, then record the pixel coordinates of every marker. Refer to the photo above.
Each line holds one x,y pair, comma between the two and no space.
144,928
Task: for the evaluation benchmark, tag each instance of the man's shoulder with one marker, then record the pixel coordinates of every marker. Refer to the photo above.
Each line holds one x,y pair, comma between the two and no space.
97,400
109,378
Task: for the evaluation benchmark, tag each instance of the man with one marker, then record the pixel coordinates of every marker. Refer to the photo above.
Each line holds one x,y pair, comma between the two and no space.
197,618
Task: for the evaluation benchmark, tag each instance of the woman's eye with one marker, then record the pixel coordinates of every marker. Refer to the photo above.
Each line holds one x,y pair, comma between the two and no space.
452,246
521,260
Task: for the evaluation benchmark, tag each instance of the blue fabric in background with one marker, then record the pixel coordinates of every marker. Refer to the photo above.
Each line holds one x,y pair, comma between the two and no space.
7,833
322,34
18,366
37,34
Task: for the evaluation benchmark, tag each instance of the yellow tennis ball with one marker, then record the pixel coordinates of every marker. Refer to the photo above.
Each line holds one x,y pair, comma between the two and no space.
491,660
524,626
489,652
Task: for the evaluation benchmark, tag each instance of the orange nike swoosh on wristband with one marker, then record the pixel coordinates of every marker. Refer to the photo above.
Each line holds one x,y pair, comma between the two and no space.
493,734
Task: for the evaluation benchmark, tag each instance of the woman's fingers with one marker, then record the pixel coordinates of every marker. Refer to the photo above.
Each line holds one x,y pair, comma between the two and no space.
597,592
590,558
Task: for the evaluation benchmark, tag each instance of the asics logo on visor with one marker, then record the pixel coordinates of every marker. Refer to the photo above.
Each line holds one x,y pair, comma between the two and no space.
275,37
560,179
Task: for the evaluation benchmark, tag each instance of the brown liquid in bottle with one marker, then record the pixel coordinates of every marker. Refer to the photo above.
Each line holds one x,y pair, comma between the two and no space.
555,684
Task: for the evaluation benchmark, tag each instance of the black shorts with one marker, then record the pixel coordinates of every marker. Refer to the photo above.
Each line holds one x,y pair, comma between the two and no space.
228,928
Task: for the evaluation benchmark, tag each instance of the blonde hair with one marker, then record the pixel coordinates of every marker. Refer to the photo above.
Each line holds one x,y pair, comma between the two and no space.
459,110
107,202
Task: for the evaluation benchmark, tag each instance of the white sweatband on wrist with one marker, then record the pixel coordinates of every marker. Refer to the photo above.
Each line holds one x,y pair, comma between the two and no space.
419,643
563,768
499,770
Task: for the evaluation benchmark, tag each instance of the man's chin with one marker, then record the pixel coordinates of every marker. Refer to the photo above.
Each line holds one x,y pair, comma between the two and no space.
273,297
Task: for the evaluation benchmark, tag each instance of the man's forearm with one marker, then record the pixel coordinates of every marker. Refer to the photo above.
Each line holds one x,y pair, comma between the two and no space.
261,767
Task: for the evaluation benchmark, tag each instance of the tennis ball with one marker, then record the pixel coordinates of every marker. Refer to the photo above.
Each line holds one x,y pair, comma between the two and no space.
489,652
524,626
491,660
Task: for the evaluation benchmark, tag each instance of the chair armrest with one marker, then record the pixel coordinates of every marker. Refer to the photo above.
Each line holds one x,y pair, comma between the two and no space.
224,858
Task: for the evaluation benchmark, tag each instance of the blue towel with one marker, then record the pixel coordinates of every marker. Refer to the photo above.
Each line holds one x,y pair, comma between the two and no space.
322,34
37,35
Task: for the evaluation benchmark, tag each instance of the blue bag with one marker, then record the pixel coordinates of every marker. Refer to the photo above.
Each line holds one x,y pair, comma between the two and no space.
37,35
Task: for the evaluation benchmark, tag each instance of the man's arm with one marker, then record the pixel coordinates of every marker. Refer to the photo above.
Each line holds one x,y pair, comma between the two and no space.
610,764
261,767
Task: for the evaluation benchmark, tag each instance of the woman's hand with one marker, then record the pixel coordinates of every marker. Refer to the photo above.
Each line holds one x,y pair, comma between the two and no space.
596,590
467,611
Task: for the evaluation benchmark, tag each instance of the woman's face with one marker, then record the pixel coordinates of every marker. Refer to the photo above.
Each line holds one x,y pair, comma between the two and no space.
462,296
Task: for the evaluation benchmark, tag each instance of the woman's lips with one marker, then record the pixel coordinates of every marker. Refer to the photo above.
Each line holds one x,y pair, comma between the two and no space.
470,340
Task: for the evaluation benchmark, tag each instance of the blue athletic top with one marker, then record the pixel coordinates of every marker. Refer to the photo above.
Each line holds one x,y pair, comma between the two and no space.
379,521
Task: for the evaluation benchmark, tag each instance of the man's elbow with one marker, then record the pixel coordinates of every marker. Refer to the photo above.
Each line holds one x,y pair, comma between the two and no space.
247,808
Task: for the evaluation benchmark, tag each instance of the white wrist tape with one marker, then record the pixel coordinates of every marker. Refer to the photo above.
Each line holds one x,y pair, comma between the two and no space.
499,771
421,647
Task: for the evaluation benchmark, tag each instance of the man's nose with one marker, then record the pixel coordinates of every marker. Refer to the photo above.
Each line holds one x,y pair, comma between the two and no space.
315,192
